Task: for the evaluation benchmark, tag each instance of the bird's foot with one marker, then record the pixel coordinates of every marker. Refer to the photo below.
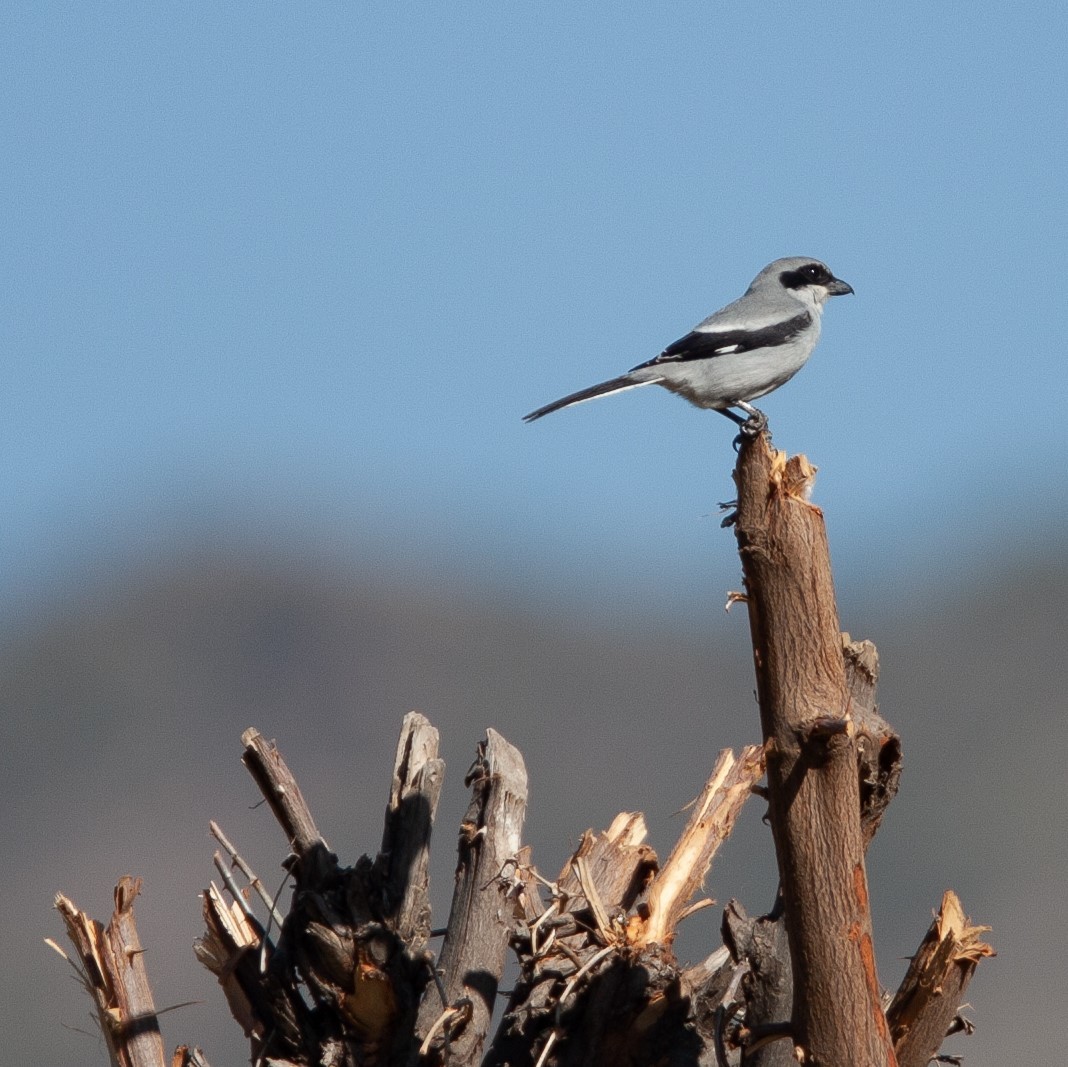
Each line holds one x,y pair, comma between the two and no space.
752,428
756,424
731,507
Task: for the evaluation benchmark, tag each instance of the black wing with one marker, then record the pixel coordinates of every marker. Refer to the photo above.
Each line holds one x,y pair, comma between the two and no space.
705,344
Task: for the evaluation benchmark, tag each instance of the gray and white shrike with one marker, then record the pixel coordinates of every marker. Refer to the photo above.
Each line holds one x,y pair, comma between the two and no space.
744,350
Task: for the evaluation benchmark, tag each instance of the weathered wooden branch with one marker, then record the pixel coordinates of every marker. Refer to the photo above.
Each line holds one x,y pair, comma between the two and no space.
812,760
404,859
280,790
925,1006
480,924
111,967
767,984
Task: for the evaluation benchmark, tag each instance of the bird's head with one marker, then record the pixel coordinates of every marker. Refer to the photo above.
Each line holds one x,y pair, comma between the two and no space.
807,280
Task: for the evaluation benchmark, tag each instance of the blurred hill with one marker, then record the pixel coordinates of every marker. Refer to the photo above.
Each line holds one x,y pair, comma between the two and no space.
122,709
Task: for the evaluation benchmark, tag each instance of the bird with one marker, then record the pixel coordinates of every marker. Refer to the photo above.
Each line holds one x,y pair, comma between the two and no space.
741,352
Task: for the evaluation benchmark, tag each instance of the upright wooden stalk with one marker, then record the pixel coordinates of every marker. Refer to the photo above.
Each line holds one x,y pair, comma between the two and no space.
480,923
811,757
112,968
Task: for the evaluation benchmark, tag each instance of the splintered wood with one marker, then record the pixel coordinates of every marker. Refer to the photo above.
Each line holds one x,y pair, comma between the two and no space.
925,1006
594,945
112,970
711,821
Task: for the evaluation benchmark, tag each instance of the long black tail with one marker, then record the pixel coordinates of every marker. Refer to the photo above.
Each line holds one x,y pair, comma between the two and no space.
616,385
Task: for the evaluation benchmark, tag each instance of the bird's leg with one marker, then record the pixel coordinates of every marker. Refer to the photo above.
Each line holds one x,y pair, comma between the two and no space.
738,421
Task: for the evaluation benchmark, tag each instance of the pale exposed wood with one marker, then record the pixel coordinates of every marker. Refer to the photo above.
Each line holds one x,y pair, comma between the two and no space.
113,971
814,798
711,822
930,995
254,883
480,921
270,1011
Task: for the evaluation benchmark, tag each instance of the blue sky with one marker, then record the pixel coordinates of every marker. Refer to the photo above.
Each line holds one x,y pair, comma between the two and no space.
294,273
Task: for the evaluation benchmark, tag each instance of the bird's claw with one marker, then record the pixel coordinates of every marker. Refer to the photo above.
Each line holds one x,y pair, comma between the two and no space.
751,429
755,425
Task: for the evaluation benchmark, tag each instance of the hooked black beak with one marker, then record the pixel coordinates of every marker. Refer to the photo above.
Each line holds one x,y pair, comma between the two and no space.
837,287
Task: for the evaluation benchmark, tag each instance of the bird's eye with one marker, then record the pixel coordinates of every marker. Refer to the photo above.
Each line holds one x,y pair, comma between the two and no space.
805,275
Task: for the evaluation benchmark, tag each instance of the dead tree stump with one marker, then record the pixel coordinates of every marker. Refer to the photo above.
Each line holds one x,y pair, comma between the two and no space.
346,975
